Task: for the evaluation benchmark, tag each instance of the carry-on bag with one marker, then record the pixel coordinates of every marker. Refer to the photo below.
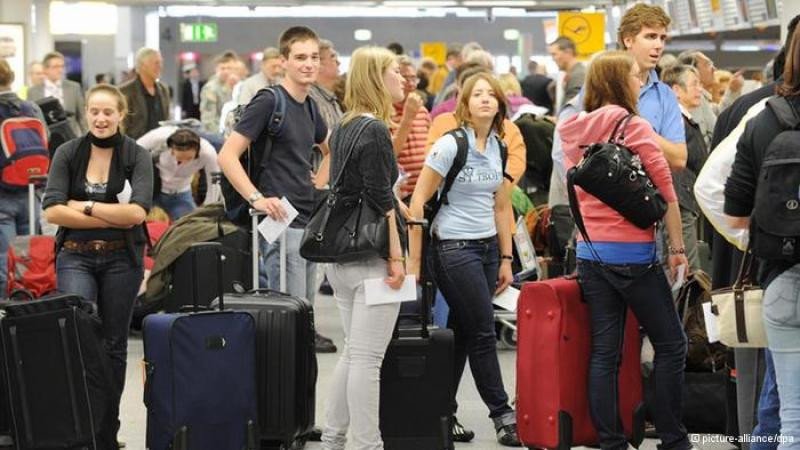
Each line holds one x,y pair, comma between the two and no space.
200,389
286,360
553,353
56,374
417,379
31,258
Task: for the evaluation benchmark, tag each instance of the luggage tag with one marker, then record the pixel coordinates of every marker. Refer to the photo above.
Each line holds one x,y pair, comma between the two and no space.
712,329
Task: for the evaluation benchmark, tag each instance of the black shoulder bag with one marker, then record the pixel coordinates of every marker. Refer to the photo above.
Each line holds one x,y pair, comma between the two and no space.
614,174
346,227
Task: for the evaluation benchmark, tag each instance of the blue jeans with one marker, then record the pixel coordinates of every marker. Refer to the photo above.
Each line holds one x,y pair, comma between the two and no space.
466,273
13,222
782,322
301,275
769,421
645,290
111,280
176,205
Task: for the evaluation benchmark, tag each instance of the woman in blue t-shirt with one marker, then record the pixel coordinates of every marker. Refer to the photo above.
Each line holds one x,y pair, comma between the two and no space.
471,241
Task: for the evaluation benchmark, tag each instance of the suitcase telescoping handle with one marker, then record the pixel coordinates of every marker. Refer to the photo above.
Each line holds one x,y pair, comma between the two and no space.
200,248
255,217
428,289
34,181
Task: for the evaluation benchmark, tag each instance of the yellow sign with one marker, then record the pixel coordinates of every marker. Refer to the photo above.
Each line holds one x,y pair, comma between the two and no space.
437,51
715,7
586,29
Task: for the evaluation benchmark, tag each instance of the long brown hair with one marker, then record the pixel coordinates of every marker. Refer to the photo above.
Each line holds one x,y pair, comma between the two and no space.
607,82
791,70
463,116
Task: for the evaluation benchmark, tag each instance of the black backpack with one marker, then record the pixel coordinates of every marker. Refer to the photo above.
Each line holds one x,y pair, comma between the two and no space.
775,229
236,207
434,204
537,133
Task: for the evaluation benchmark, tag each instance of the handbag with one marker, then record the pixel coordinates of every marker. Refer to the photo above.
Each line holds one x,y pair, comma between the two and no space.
738,310
345,228
614,174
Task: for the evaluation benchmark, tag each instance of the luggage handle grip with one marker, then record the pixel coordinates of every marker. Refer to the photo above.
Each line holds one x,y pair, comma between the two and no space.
216,247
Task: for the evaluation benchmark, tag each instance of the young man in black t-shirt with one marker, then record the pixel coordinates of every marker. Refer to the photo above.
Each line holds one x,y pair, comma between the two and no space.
287,171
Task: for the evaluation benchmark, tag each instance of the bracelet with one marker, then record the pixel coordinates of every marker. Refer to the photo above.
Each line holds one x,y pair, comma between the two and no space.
508,257
676,251
399,259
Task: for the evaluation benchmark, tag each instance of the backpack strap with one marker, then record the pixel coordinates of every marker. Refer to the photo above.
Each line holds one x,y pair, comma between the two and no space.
460,160
504,158
785,112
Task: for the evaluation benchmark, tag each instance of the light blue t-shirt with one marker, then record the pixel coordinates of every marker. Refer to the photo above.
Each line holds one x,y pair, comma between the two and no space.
469,213
659,106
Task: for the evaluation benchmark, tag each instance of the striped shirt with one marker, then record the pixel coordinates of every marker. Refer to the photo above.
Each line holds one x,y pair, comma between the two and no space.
412,156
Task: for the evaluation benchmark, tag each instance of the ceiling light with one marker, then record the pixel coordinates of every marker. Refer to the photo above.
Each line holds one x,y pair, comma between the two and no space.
420,3
511,34
500,3
362,35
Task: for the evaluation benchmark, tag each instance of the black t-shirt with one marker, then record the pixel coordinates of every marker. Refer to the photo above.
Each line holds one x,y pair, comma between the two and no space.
154,113
287,169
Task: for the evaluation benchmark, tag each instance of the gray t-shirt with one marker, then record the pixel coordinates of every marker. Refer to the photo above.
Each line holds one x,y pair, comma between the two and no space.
469,213
287,169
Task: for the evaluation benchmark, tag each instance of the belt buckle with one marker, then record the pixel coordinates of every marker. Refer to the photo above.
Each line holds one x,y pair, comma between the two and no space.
97,246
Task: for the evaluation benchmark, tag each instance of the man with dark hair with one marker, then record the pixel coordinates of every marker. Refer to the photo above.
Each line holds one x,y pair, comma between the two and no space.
178,154
565,55
287,171
218,91
190,91
396,48
148,98
68,92
538,88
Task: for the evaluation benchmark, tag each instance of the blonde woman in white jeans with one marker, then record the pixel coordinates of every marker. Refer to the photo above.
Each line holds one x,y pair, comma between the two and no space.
373,84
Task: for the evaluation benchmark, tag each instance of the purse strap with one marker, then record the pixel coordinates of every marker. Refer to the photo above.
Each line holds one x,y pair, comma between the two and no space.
350,149
745,268
621,126
318,235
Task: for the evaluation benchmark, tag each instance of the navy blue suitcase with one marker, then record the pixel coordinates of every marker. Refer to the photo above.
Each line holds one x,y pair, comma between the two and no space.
200,387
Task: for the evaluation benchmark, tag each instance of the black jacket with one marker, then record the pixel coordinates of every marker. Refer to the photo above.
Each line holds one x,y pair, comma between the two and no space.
684,180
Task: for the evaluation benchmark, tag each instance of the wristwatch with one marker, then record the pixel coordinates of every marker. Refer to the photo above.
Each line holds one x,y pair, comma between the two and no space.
254,197
87,208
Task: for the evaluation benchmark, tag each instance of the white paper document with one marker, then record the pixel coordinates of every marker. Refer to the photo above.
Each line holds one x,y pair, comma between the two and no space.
507,299
272,229
680,278
712,329
124,196
377,292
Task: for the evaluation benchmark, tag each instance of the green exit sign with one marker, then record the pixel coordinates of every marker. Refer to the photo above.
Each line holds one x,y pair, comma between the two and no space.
199,32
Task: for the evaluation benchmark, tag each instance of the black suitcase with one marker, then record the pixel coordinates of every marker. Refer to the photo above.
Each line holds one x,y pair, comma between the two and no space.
286,361
55,372
417,380
236,271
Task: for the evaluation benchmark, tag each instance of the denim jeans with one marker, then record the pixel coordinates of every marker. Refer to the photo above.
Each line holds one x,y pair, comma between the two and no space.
609,291
112,281
782,321
769,421
355,386
466,273
301,275
176,205
13,222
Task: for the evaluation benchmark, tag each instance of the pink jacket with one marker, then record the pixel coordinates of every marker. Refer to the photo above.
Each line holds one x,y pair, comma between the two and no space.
603,223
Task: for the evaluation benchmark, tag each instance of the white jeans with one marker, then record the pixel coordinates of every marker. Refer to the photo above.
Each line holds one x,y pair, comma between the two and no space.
355,388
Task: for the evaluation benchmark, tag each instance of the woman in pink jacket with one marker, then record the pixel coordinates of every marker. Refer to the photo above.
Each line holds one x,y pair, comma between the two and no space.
622,270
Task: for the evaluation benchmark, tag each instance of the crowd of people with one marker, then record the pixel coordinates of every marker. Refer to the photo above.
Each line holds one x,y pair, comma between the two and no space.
394,118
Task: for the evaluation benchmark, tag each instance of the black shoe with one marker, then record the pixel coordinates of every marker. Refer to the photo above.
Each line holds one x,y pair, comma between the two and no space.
313,435
460,434
323,344
507,436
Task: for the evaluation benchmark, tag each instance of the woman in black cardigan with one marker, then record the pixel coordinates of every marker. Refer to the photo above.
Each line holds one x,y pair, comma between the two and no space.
99,190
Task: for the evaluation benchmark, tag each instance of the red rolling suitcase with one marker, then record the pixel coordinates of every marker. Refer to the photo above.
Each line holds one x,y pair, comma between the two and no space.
553,348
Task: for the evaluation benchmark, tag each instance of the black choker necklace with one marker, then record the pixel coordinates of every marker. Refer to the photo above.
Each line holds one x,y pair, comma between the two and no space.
109,142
